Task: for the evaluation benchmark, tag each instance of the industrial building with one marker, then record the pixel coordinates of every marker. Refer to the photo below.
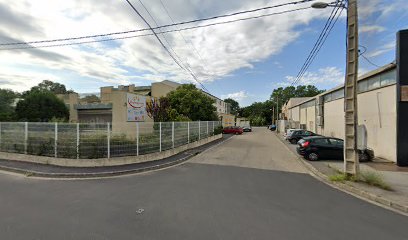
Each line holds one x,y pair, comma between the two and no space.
115,105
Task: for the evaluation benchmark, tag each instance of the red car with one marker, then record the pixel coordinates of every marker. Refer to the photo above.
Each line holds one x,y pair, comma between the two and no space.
233,130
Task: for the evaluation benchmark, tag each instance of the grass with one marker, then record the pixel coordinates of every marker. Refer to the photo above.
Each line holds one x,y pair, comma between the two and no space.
368,177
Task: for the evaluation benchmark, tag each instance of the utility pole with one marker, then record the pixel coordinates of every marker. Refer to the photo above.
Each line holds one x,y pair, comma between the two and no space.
277,109
351,161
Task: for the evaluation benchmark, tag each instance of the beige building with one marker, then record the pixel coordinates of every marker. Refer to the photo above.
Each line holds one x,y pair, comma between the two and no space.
376,99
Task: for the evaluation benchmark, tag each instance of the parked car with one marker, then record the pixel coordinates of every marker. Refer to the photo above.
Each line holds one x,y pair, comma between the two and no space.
272,127
299,134
289,132
232,130
319,147
247,128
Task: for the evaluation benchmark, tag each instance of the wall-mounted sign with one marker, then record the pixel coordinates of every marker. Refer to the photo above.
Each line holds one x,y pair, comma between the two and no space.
136,108
404,93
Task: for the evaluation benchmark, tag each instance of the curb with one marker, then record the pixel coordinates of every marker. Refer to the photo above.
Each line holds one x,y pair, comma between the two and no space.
364,195
89,175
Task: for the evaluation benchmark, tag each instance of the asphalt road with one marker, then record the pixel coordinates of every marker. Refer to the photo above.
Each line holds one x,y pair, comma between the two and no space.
241,189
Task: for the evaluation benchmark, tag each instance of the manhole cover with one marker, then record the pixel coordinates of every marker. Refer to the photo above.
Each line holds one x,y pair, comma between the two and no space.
140,211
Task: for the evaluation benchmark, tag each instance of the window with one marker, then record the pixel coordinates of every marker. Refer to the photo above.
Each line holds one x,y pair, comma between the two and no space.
320,141
389,77
327,97
337,94
336,142
374,83
363,86
308,133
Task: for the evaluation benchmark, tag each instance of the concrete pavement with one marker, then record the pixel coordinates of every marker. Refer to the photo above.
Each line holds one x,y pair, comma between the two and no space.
196,200
257,149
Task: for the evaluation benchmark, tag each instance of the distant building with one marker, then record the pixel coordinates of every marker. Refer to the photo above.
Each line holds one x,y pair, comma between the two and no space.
114,105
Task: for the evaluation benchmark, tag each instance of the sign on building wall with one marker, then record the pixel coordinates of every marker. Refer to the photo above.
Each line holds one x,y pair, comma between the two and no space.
136,108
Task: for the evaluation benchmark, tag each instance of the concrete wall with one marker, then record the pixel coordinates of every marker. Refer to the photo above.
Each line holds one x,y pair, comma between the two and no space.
311,118
377,111
334,119
295,114
70,100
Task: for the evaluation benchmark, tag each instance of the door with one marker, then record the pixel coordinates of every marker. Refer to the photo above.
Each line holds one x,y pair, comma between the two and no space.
336,148
322,147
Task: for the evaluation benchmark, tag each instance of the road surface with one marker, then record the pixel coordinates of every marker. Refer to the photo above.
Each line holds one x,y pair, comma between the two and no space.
249,187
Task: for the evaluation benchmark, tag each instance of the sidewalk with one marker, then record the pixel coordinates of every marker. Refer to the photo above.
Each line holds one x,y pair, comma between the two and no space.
396,177
52,171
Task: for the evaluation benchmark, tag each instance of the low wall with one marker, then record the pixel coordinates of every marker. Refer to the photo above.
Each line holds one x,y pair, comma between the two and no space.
67,162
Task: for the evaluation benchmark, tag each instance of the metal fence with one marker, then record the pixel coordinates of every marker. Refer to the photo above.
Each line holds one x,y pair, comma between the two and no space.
83,140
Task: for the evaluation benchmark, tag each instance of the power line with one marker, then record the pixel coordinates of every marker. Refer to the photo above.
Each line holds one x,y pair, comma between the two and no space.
154,28
203,63
186,65
315,48
161,43
320,41
151,34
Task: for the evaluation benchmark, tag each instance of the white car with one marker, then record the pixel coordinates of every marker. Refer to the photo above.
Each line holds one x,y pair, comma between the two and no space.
289,132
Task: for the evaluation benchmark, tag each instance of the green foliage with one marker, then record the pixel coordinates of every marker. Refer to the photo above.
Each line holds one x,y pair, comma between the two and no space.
7,97
192,103
374,179
91,99
258,113
40,107
233,104
217,130
49,86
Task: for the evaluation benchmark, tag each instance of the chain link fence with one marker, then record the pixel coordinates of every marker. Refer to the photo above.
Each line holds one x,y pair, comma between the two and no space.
88,141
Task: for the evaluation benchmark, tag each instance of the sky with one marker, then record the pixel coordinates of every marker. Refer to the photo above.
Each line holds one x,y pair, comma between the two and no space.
244,60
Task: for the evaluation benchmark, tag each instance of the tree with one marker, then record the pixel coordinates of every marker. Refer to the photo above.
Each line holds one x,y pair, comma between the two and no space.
7,97
40,106
192,103
234,105
258,113
91,99
284,94
49,86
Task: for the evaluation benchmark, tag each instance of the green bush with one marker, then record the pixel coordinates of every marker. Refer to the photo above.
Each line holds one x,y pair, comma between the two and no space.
217,130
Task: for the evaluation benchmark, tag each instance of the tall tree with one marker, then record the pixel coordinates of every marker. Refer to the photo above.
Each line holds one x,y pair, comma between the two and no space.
284,94
50,86
188,101
233,104
40,106
7,98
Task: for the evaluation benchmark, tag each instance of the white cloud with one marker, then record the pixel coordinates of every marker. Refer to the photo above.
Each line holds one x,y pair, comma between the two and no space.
222,49
237,96
328,76
381,50
371,29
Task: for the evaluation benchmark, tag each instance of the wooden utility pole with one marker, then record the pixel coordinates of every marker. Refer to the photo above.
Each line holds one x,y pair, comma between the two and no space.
351,161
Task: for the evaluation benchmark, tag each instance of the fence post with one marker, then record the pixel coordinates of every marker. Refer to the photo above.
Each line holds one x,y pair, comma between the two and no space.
199,130
77,141
188,132
160,137
25,137
108,138
207,128
213,132
172,133
137,138
56,140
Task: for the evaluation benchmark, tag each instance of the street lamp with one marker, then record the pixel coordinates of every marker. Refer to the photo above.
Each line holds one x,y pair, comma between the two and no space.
351,161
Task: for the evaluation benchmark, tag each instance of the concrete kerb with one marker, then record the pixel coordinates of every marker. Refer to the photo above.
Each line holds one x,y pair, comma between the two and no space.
349,189
107,174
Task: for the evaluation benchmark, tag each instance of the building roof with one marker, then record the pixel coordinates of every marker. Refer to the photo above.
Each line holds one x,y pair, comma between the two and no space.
369,74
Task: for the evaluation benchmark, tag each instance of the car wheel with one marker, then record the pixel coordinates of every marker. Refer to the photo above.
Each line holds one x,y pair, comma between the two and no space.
313,156
293,141
363,157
